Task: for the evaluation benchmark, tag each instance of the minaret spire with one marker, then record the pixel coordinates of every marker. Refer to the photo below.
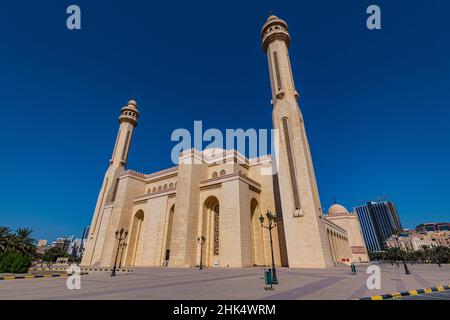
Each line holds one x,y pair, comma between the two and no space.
128,120
306,239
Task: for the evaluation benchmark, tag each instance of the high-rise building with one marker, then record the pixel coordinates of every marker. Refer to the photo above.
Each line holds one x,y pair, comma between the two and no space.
84,238
378,222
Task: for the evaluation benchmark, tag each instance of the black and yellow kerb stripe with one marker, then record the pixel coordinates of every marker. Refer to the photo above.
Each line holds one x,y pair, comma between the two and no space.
396,295
35,276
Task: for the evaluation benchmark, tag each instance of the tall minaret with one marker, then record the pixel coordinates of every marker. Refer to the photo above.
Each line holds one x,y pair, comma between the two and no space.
306,239
128,120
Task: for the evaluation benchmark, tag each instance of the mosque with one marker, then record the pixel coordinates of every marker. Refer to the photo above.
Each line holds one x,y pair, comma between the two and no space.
222,196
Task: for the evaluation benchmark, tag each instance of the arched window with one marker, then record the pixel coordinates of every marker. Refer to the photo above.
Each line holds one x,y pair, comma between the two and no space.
222,173
171,185
214,175
165,187
154,189
159,188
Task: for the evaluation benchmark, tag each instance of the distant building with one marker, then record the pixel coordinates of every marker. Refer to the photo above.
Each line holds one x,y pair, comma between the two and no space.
42,243
84,239
433,226
339,215
412,240
378,222
70,245
75,247
85,233
62,243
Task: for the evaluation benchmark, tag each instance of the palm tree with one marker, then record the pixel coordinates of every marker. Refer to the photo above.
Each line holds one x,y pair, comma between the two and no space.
23,242
6,238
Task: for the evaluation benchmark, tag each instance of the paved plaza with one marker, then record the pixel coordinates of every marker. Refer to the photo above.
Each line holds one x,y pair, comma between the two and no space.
248,283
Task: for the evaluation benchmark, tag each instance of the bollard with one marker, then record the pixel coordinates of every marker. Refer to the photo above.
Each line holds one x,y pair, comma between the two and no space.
268,279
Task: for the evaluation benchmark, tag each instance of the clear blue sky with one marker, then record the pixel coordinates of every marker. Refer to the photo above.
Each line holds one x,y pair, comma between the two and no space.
376,103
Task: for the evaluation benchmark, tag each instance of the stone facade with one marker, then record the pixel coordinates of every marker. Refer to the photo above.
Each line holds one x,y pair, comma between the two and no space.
357,251
411,240
220,195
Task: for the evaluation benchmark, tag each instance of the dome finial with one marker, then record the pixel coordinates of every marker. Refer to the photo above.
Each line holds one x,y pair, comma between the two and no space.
271,15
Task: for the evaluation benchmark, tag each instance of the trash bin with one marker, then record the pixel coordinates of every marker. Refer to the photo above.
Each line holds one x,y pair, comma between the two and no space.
353,268
268,279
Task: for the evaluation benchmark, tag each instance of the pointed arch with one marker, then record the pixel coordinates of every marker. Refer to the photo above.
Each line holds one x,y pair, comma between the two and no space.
257,234
168,236
134,247
211,231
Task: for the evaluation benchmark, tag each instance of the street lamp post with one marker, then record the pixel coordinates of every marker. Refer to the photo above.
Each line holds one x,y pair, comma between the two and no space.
272,224
120,235
124,245
201,242
396,236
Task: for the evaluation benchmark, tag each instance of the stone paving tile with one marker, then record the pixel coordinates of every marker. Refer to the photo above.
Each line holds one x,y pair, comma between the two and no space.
247,283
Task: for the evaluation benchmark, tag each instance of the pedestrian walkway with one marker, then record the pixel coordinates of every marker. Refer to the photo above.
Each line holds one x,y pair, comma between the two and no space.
211,283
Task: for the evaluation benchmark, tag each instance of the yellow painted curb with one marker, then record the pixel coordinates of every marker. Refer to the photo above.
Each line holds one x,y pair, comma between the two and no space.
396,295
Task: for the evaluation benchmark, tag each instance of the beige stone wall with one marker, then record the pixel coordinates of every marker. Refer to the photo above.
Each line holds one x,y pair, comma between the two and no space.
306,241
185,228
357,247
266,203
129,187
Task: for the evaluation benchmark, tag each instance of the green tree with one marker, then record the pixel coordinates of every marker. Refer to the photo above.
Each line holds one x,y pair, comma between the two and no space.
392,255
375,255
14,262
52,254
440,255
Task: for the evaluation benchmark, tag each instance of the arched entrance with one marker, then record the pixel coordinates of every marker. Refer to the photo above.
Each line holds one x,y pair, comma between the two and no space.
211,231
257,234
134,248
168,238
